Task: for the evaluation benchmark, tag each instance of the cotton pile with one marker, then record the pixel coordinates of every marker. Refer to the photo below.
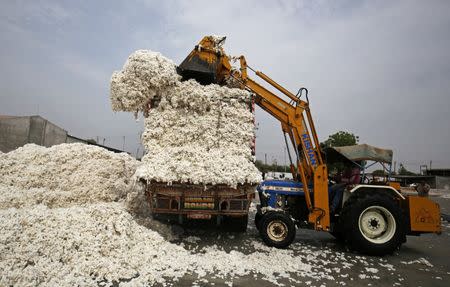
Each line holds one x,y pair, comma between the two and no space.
101,244
193,133
82,246
201,135
65,174
72,233
144,75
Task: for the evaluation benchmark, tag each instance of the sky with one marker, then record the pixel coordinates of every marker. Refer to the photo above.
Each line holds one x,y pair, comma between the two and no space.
378,69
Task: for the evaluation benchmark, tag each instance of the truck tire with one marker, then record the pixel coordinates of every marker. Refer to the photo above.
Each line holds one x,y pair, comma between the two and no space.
277,229
237,224
373,223
258,217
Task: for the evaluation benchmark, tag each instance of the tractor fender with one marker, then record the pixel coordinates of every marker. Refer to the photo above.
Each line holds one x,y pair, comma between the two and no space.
361,187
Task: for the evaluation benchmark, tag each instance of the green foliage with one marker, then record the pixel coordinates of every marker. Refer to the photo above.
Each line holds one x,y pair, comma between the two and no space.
91,141
403,171
271,167
379,172
341,138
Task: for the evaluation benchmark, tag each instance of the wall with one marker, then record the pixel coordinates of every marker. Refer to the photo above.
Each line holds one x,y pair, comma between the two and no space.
443,182
71,139
36,131
54,135
18,131
13,132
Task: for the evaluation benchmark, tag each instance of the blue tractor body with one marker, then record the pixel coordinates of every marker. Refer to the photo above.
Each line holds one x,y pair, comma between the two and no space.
270,190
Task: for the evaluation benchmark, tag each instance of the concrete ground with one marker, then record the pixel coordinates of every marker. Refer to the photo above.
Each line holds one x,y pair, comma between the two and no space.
422,261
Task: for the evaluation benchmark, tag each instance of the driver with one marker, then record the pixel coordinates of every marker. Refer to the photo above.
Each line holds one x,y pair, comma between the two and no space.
350,176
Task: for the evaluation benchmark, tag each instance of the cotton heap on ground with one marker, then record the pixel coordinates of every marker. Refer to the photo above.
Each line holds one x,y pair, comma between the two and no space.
193,133
65,174
60,226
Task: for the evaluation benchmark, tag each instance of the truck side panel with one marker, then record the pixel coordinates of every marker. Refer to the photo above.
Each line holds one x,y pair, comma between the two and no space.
198,202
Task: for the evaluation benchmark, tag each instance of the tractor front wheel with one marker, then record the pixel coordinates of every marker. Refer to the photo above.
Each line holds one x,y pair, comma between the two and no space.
277,229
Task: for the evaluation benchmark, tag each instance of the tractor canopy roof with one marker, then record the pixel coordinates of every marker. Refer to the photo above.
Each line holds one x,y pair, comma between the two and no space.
356,153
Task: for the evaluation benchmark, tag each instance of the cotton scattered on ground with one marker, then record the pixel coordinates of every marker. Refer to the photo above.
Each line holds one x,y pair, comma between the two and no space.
421,260
372,270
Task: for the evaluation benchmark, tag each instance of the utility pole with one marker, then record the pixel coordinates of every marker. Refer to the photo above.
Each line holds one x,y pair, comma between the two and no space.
265,158
431,163
123,146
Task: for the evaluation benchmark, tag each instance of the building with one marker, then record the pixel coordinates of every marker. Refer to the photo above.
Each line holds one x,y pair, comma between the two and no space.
17,131
441,177
438,178
406,180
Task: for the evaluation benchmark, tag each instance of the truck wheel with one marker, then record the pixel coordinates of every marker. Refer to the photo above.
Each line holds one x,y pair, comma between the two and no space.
258,217
373,223
277,229
237,224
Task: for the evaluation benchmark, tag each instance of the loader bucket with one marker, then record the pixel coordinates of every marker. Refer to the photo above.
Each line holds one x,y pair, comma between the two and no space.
201,70
202,64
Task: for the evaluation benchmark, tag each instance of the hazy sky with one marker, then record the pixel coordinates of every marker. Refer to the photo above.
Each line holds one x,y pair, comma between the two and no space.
380,69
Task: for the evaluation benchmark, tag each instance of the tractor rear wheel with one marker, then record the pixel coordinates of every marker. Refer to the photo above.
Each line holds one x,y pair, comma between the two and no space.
277,229
373,223
338,234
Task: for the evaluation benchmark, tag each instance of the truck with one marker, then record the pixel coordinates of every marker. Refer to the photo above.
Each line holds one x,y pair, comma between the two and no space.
227,206
371,218
221,203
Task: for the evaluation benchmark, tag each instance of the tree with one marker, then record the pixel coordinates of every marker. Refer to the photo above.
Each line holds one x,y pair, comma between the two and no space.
403,171
91,141
271,167
341,138
379,172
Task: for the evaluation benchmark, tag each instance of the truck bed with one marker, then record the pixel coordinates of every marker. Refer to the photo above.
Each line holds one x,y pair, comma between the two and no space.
199,201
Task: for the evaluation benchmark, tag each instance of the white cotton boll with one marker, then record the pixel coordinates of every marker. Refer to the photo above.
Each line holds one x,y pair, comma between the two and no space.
75,173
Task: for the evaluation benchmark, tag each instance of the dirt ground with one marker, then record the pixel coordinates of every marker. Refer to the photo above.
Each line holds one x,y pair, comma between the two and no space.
422,261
